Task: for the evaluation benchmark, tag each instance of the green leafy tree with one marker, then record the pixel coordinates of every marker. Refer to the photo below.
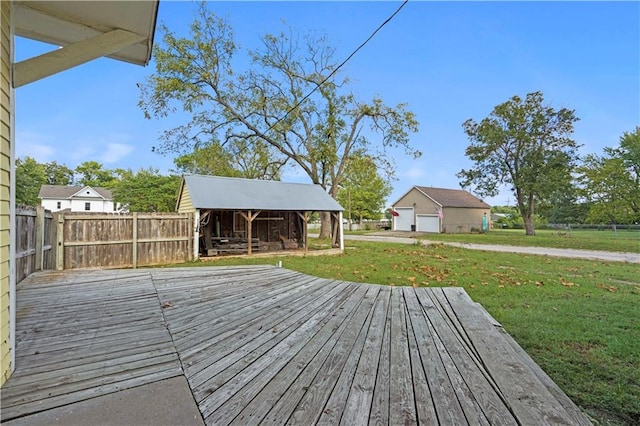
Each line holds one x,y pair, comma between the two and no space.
92,174
211,159
629,151
606,186
58,174
564,205
363,192
612,182
146,191
30,176
237,159
270,102
524,144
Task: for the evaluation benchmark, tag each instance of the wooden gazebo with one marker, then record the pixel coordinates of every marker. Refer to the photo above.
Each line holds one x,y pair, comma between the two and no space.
235,215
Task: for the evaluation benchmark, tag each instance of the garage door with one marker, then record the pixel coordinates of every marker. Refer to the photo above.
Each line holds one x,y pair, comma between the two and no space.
428,224
404,220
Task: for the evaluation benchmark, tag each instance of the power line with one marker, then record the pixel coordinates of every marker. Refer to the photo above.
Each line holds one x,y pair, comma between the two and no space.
339,66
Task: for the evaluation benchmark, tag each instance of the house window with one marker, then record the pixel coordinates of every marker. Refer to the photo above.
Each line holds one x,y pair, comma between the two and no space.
59,205
87,206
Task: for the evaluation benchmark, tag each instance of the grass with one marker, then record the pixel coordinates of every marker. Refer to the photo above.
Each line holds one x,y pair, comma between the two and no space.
623,241
578,319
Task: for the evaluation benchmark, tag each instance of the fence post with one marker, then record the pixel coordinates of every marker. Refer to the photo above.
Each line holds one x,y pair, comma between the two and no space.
134,239
60,241
39,238
190,234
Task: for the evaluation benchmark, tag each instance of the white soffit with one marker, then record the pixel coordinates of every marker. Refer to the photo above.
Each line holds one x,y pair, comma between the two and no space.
85,30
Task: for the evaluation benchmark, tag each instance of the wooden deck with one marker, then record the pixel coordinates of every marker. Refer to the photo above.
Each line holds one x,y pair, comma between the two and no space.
268,345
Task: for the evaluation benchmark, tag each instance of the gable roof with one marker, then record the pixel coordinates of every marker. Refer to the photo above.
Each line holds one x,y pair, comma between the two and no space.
453,197
224,193
61,191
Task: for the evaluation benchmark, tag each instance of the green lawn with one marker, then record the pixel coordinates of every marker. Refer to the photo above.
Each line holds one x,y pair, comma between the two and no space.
578,319
624,241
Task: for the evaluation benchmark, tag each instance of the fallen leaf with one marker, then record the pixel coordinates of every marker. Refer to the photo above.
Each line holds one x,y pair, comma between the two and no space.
608,288
566,283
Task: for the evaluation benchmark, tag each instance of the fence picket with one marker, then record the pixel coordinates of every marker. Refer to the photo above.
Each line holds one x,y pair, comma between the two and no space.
68,240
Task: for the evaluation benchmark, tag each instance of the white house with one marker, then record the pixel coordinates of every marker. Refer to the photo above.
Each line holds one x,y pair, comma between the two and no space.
77,199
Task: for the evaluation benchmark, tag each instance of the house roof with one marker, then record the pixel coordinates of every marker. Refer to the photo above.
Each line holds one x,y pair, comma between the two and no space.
214,192
453,197
61,191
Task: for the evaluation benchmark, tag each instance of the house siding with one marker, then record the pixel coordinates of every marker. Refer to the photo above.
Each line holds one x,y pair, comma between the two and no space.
454,219
185,204
52,205
416,199
6,162
458,219
100,205
421,204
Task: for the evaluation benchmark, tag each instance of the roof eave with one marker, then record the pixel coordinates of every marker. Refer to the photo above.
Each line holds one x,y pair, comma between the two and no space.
83,31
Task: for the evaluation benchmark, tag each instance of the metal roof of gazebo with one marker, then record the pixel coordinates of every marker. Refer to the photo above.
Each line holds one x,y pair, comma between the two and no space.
224,193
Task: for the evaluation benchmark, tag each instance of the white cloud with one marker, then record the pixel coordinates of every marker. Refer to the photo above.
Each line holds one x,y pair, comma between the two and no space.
42,153
116,151
36,145
414,172
81,153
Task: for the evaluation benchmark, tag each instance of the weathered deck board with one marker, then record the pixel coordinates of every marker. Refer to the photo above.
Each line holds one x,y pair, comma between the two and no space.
264,345
253,343
262,367
358,403
476,394
530,400
85,334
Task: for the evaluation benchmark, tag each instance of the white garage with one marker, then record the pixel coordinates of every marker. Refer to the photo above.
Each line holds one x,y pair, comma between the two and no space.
404,220
428,223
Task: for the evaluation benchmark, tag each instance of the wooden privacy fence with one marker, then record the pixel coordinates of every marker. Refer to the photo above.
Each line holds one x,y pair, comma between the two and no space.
98,240
34,234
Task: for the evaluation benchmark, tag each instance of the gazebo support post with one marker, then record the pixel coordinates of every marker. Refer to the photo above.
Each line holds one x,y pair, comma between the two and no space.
305,216
335,229
249,218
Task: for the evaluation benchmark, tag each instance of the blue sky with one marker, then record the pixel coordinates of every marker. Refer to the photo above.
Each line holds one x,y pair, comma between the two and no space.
449,61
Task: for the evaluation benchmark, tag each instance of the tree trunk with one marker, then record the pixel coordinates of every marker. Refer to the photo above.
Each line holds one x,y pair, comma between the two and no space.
526,211
528,226
528,217
325,225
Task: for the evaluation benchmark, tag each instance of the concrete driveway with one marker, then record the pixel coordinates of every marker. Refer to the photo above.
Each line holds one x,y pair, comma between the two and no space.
542,251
